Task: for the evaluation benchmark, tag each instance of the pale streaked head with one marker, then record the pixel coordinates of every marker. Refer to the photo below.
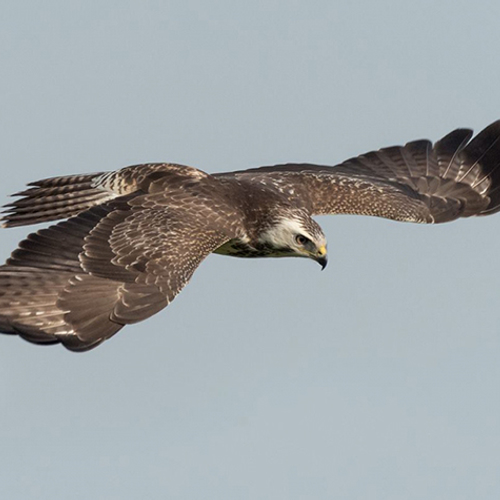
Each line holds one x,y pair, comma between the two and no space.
296,235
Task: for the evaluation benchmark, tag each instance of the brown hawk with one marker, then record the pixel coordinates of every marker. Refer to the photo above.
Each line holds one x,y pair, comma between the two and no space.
134,237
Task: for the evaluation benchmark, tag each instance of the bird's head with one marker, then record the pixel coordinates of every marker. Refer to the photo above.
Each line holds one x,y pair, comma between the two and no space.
295,235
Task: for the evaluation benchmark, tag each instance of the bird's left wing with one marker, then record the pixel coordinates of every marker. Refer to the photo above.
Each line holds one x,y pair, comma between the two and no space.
419,182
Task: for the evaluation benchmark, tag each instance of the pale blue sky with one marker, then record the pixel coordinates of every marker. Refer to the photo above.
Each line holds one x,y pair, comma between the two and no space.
376,379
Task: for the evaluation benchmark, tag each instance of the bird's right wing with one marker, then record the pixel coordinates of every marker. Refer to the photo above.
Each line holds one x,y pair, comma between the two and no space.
62,197
82,280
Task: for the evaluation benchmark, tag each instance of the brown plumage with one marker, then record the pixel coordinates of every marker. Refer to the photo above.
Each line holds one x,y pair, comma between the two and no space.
135,236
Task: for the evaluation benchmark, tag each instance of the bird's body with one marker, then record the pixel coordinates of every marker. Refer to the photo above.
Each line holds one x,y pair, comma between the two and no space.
135,236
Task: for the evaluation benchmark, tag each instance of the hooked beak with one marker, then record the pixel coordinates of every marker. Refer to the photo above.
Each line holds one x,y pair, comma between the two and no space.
322,261
321,257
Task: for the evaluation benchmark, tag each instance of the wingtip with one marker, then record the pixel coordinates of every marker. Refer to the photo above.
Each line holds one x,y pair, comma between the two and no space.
492,128
4,220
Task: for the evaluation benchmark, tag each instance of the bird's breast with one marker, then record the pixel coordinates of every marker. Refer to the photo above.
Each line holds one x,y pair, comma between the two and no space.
237,248
241,248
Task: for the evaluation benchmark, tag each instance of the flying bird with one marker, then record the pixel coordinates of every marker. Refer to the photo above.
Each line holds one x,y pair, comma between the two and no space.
132,238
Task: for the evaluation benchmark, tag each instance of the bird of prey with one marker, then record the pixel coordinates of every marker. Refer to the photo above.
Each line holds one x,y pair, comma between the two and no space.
133,237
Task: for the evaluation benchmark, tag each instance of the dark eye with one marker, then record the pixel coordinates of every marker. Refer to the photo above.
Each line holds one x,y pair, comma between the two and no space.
301,239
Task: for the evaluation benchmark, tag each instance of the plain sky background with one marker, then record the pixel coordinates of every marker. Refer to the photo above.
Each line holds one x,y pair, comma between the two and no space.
376,379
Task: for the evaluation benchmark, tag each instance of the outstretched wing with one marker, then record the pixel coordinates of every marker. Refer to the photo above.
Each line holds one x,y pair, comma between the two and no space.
82,280
62,197
419,182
